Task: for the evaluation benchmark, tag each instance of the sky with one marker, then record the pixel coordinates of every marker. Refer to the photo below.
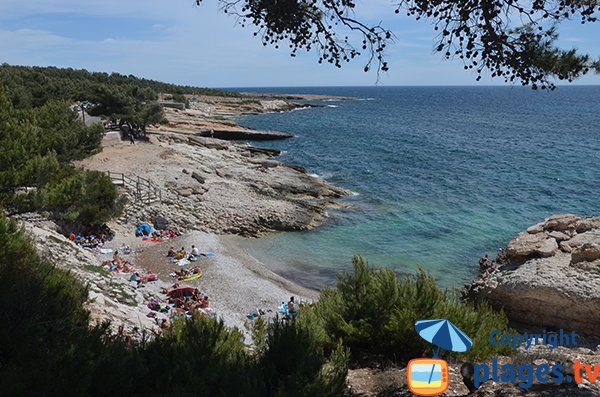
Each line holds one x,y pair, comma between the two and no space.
178,42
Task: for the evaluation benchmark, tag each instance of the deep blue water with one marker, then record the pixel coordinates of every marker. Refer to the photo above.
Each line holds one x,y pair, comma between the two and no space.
443,174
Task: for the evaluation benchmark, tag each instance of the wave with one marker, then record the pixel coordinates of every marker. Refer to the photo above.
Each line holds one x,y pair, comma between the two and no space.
301,108
332,106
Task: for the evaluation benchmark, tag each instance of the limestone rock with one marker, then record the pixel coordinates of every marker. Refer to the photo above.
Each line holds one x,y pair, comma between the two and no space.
591,236
537,228
198,177
547,248
559,236
526,244
587,252
587,224
565,247
537,283
185,192
560,222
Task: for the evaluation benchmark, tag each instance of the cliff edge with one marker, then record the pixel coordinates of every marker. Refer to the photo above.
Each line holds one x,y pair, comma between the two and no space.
548,275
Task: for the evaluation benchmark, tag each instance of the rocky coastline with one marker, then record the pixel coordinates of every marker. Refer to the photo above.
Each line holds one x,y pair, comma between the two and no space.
548,276
207,188
214,116
211,185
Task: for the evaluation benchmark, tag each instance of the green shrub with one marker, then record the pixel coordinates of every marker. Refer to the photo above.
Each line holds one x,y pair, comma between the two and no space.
198,357
294,363
373,312
42,316
83,197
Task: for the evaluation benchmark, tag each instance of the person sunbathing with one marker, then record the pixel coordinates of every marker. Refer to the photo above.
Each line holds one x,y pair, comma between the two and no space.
204,302
172,253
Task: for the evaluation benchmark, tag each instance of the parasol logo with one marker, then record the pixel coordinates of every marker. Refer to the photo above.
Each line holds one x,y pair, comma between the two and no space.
429,376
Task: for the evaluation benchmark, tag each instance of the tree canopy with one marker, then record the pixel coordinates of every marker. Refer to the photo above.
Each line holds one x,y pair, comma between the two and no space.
37,145
514,40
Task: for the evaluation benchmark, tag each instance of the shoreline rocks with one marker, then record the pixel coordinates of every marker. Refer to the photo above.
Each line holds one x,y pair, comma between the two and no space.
212,185
548,276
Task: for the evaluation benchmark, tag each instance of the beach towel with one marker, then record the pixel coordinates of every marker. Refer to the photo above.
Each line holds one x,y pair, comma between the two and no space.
183,262
106,250
283,308
152,240
193,277
207,254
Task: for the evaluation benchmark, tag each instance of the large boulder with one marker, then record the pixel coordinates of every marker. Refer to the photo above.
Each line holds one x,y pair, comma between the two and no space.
560,222
587,224
588,252
526,244
548,248
537,283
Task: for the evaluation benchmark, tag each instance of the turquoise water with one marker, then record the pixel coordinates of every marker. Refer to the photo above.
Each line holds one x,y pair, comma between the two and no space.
442,174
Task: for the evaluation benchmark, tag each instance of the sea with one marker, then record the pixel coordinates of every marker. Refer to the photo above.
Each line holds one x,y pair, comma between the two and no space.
440,175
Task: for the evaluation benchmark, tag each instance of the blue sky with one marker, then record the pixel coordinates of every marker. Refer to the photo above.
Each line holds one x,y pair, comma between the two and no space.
178,42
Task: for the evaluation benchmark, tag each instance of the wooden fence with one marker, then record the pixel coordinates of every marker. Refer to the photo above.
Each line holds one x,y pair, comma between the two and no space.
141,188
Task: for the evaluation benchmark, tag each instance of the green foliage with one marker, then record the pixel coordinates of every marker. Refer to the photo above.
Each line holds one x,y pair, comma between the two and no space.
42,315
373,312
199,357
36,144
294,363
82,197
50,341
34,86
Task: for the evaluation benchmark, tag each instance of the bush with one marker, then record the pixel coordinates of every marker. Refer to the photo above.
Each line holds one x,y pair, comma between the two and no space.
82,197
42,316
198,357
294,363
373,312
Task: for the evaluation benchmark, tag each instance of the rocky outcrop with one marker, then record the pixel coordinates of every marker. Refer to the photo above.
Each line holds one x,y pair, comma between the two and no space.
548,275
111,296
217,186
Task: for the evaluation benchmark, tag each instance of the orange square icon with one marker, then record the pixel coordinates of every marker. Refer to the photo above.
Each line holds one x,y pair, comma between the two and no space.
427,376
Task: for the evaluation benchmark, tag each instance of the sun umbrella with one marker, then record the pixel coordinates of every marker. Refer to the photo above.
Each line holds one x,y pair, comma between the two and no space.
443,334
182,291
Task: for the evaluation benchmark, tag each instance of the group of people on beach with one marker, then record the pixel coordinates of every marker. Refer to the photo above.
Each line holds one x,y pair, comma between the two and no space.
92,237
187,300
182,254
485,266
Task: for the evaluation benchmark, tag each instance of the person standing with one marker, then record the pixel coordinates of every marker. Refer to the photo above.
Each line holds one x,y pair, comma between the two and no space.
483,263
292,313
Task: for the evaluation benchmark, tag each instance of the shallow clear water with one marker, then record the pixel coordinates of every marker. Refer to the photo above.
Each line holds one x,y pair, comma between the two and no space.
443,174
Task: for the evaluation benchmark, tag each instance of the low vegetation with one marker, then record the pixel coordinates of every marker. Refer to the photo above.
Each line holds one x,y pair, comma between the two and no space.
37,146
370,312
35,86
